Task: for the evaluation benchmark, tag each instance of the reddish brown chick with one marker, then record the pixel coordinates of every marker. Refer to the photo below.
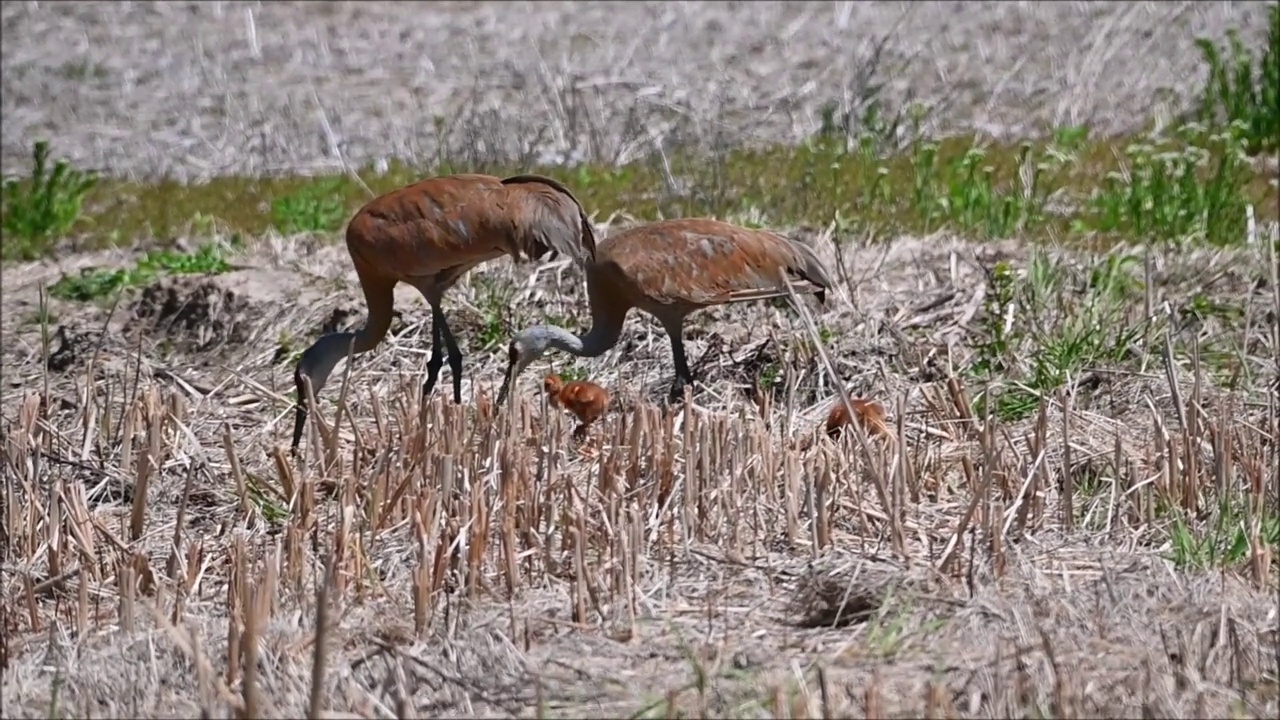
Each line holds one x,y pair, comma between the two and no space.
870,414
586,400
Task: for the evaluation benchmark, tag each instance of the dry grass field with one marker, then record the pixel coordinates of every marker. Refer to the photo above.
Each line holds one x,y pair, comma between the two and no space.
1077,513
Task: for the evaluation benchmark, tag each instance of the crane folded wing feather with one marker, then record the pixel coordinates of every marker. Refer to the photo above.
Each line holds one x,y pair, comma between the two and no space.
545,216
735,266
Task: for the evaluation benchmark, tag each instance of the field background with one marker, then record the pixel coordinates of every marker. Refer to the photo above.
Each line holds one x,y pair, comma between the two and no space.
1076,515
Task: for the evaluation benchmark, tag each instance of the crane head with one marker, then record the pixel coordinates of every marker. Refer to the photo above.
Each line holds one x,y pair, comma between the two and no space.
525,347
315,366
552,384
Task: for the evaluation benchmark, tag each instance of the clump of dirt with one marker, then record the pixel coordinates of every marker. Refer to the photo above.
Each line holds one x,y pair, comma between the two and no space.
72,348
339,319
351,316
837,594
193,313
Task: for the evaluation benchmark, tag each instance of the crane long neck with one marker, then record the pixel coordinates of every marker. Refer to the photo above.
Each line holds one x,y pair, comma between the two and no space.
594,343
318,361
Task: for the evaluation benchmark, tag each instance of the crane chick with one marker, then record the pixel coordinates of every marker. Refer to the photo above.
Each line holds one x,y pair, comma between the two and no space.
586,400
870,415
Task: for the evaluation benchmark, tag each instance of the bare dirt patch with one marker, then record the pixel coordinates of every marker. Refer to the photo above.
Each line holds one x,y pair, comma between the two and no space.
196,312
197,89
695,562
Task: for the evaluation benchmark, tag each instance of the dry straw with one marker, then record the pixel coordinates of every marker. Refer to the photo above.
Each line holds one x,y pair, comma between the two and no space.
430,511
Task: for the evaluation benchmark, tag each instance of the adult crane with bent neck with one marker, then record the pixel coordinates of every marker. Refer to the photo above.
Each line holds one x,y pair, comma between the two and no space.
429,234
670,269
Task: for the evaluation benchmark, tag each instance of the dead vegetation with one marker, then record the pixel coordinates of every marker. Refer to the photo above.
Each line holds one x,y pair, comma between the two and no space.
1085,528
191,90
165,556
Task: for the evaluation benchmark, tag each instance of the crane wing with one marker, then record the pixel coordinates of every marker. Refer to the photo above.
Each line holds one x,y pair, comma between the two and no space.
708,262
546,217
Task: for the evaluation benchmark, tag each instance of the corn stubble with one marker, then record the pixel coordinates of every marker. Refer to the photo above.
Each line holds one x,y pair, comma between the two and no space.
487,504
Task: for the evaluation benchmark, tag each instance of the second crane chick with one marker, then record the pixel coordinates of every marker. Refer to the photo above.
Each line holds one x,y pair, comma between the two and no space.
870,415
586,400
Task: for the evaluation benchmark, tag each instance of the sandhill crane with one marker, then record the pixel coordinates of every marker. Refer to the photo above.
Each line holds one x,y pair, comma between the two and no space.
586,400
429,234
670,269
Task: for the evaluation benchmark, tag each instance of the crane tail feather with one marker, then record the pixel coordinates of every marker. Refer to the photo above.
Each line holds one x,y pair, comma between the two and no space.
811,269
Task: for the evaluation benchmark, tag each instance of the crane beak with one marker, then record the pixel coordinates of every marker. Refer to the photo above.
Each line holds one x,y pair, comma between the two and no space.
300,412
507,380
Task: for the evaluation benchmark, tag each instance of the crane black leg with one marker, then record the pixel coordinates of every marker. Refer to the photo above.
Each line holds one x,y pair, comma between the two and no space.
455,359
683,375
437,356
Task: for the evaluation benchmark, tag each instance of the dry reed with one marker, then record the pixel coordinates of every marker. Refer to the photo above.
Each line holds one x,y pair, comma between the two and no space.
423,527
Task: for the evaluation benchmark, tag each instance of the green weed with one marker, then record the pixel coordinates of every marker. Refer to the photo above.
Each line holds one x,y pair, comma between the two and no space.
1238,92
44,206
266,502
1222,541
769,377
82,70
572,372
967,194
495,305
94,283
314,208
1192,191
1050,325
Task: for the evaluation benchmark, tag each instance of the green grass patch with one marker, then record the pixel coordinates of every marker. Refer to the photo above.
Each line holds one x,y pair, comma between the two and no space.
1243,89
1223,540
1051,323
1191,186
95,283
316,207
44,207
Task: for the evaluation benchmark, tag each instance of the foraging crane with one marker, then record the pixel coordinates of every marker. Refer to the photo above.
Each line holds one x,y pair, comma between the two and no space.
429,234
670,269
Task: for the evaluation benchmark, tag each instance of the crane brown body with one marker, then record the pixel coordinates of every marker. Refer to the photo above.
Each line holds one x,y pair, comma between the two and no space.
429,234
586,400
670,269
870,414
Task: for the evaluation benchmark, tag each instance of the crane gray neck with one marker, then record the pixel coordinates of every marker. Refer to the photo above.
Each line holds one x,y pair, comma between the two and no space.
539,338
318,361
